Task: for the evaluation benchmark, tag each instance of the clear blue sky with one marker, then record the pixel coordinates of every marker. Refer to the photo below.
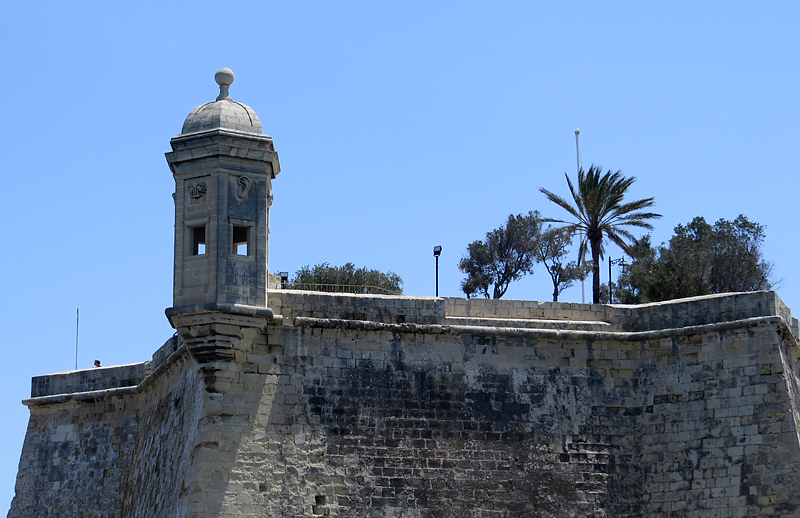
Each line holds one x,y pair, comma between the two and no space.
400,126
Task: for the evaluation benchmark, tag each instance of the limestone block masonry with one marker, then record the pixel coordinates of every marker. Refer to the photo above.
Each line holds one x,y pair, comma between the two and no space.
388,406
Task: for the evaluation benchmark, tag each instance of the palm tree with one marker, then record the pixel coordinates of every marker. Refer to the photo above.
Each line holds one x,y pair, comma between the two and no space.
601,213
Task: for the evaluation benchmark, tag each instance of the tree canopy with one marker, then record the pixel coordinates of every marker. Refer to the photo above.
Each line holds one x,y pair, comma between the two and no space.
511,251
347,278
551,251
505,255
599,213
700,259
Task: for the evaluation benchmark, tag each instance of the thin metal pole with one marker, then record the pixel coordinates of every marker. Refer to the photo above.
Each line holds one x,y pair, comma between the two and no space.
578,149
437,275
610,297
77,328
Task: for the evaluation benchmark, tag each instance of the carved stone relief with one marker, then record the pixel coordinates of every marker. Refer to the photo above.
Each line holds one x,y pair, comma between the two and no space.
243,187
198,190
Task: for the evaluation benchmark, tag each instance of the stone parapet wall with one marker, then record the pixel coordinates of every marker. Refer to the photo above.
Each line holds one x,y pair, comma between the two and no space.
527,309
696,311
455,311
529,323
103,378
374,308
163,353
671,314
89,380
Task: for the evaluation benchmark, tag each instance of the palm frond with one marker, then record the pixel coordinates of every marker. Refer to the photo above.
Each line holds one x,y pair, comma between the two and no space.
561,202
600,211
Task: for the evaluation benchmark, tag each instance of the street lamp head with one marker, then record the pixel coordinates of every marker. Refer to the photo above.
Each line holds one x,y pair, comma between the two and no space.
437,251
284,276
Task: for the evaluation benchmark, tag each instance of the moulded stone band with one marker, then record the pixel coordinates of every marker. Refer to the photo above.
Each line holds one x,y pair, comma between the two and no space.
222,307
567,334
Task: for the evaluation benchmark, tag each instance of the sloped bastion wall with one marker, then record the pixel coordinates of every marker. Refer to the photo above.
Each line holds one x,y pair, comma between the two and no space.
382,406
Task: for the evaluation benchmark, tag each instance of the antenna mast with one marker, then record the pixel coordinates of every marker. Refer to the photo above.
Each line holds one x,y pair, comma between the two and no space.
578,149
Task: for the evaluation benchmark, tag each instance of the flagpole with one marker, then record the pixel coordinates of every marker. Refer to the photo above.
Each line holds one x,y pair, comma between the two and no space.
578,149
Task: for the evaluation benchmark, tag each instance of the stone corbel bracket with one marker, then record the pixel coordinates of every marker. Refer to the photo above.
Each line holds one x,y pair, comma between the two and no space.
209,330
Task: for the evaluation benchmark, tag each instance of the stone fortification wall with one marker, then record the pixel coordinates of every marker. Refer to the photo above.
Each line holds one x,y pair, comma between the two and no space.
393,421
718,433
110,442
167,414
75,459
371,419
338,408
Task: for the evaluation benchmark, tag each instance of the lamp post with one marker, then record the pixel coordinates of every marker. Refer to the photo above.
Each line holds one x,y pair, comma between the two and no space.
284,279
622,264
437,251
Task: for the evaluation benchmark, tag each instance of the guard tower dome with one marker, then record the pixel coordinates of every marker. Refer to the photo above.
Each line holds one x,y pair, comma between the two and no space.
224,113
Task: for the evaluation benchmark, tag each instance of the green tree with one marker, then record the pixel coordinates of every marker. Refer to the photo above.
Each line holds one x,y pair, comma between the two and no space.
637,275
551,251
347,278
599,212
505,255
700,259
604,294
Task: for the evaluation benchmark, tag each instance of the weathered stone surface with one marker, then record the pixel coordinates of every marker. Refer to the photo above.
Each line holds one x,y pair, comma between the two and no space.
331,416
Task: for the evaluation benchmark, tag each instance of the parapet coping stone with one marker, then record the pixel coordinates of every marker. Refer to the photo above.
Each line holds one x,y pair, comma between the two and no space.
527,323
94,369
569,334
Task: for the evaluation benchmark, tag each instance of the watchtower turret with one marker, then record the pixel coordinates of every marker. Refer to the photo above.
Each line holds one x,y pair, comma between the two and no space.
223,165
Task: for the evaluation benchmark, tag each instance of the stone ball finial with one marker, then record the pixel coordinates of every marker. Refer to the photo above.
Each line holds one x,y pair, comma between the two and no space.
224,78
